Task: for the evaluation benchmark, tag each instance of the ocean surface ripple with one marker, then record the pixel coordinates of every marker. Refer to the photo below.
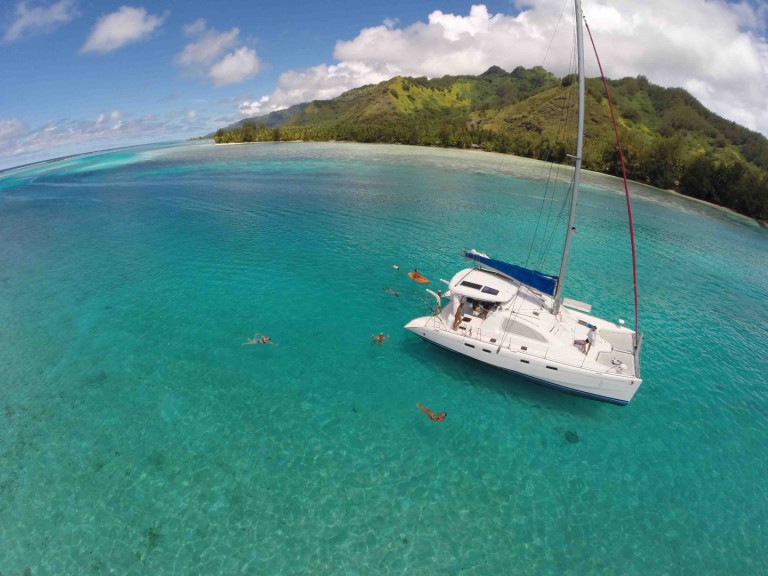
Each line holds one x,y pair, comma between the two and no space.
138,435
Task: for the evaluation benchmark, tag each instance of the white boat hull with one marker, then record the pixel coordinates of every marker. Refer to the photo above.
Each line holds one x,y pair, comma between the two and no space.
565,375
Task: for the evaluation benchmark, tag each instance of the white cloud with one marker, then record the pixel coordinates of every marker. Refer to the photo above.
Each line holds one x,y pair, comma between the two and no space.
28,21
20,144
113,120
208,56
319,83
255,107
717,50
235,67
209,46
123,27
10,129
195,28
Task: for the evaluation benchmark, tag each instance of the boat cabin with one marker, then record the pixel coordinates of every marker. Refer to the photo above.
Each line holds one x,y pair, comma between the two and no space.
482,286
486,290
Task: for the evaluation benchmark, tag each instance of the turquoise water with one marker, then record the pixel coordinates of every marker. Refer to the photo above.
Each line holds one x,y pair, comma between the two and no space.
139,436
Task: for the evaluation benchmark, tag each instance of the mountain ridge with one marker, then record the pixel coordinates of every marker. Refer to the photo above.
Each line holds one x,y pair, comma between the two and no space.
670,139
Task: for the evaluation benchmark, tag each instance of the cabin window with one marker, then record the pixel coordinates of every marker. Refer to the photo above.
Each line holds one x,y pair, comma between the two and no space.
523,330
489,290
471,285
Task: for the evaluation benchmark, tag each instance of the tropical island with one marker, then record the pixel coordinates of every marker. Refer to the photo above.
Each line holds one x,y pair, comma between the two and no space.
670,140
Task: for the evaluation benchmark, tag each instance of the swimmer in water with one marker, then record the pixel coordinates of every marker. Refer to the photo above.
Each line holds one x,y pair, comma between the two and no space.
379,338
391,292
259,339
436,417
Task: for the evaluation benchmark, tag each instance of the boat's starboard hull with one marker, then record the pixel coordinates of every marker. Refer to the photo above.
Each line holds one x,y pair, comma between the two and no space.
610,388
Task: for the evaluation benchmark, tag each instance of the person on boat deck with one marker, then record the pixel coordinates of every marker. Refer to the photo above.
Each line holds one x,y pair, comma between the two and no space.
487,306
591,339
379,338
457,319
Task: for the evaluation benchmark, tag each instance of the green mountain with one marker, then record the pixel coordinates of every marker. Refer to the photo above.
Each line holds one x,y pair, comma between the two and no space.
670,140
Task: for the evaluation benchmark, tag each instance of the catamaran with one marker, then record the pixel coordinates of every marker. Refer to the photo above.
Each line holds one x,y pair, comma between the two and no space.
517,319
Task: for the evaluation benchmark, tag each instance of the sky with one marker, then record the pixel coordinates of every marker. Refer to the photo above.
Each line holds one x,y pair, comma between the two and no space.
86,75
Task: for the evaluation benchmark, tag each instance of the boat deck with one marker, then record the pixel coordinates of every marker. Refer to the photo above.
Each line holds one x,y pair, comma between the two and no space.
612,353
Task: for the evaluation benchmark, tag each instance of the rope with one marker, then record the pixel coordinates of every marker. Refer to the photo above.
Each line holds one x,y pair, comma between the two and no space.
624,175
551,227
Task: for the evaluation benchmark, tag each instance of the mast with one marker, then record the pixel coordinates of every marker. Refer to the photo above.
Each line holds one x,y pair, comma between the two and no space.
579,144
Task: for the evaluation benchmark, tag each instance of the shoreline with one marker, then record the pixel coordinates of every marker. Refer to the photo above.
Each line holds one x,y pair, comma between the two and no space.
760,223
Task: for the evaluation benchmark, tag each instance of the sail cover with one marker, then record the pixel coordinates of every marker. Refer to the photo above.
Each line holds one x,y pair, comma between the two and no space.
537,280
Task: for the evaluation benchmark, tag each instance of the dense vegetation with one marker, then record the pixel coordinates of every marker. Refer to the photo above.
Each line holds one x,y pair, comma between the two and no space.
670,140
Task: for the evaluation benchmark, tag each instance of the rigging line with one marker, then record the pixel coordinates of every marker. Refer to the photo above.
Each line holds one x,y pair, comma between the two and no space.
544,198
554,33
624,175
549,151
565,118
560,217
549,229
555,225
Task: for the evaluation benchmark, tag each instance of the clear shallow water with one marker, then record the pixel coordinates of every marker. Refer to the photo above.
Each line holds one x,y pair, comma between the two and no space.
138,435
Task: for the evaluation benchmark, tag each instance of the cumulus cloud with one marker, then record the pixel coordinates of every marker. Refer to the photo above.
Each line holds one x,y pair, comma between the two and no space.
318,83
235,67
117,29
258,107
660,39
212,54
208,46
28,21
